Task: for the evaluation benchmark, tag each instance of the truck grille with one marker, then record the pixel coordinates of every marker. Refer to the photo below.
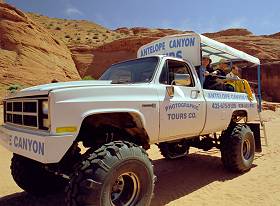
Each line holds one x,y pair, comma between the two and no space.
22,112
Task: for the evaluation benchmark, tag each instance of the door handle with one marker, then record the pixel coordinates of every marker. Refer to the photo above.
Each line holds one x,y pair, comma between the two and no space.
194,94
149,105
197,91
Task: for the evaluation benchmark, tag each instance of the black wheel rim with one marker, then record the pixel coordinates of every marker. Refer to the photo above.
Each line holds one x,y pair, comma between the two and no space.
125,190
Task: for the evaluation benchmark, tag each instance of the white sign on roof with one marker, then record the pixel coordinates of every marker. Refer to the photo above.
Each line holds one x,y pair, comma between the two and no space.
186,46
191,46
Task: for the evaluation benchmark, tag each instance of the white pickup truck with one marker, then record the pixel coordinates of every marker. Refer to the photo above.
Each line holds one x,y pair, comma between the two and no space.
156,99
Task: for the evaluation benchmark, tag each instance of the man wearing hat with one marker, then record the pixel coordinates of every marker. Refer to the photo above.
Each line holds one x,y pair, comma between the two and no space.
223,68
222,72
202,71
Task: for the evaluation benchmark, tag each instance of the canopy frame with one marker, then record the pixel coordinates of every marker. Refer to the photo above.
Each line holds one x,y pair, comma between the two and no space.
226,52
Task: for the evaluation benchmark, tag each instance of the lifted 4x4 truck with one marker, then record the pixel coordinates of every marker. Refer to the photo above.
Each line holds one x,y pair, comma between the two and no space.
154,99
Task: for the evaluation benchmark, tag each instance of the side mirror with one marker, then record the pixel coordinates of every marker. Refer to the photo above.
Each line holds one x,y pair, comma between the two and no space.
170,91
182,79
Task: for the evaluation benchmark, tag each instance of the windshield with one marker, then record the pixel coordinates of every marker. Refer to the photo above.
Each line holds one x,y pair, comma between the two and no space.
133,71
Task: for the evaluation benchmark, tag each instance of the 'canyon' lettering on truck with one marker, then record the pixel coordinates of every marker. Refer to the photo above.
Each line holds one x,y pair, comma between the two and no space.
26,144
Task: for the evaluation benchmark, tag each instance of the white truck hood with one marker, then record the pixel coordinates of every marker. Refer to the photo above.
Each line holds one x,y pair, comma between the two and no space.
45,88
52,86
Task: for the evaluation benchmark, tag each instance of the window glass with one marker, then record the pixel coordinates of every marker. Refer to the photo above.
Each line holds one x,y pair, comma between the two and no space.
174,67
133,71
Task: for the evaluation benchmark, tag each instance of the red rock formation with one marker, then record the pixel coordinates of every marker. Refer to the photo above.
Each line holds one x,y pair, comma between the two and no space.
93,61
229,32
269,79
97,60
124,30
29,54
146,32
83,57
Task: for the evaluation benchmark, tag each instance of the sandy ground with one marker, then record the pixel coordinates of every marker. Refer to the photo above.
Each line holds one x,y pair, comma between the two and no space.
198,179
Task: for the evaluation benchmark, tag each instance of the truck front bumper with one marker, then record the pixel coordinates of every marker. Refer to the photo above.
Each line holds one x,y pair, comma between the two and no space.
39,146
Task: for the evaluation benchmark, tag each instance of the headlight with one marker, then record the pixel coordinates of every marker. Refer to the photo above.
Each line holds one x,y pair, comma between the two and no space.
44,119
45,107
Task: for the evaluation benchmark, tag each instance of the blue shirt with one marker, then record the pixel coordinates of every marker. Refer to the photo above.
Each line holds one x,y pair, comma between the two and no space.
201,76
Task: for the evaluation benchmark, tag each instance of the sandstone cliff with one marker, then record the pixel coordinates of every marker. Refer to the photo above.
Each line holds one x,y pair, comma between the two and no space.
93,61
76,32
29,54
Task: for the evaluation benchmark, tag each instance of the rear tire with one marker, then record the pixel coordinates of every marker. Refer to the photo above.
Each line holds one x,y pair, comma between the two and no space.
119,173
33,178
238,148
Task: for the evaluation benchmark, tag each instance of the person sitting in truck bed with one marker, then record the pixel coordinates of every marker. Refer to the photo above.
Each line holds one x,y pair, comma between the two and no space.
233,80
214,78
222,72
202,70
234,73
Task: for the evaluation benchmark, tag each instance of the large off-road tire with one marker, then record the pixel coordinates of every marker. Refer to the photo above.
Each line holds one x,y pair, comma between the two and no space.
238,148
173,150
119,173
32,177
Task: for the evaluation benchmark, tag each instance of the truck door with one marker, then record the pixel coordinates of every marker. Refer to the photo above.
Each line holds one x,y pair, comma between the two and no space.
182,115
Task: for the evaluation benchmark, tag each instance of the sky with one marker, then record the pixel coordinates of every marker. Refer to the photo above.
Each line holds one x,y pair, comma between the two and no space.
260,17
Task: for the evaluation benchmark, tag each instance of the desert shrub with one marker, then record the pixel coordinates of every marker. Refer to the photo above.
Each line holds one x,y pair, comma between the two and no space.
67,36
57,28
88,77
14,87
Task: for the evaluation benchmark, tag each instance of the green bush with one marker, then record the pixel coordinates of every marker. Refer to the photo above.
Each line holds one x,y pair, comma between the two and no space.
88,77
14,87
